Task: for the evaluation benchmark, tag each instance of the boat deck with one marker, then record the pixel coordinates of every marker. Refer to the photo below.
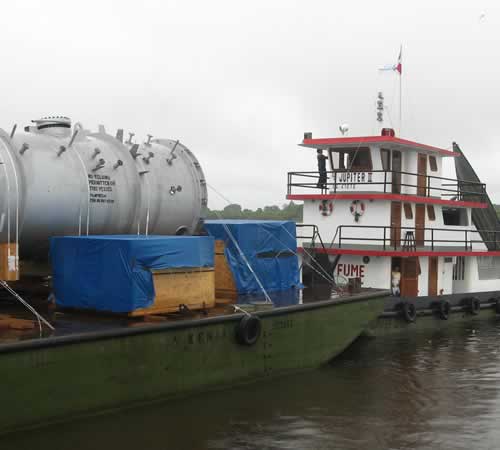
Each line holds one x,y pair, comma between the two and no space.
18,324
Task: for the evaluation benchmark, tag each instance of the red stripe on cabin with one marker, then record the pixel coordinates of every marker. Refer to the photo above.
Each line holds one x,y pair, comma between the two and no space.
392,197
376,140
361,252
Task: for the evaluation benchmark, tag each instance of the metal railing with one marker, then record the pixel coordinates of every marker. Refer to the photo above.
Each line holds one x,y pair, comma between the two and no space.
314,233
391,182
391,237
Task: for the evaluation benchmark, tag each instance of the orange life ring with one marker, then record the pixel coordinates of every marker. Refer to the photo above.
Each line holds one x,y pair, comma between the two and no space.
326,208
357,209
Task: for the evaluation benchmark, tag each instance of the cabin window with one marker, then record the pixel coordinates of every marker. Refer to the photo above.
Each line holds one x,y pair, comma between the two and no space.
431,214
433,163
455,217
385,155
360,160
408,211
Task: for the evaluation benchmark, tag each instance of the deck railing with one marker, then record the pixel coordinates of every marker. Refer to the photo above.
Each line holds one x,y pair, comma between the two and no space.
387,181
404,238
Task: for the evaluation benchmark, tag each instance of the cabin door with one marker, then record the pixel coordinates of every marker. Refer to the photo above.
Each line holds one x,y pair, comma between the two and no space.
422,174
419,225
396,172
433,275
395,224
410,270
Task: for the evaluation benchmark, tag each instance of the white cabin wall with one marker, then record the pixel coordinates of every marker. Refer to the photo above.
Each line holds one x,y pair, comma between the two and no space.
423,278
377,213
375,274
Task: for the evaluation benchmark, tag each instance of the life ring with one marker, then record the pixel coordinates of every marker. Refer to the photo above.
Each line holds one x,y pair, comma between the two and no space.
248,330
473,305
326,208
409,312
444,309
357,209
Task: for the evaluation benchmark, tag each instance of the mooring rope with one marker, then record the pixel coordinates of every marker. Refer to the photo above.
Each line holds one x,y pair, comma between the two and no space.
39,317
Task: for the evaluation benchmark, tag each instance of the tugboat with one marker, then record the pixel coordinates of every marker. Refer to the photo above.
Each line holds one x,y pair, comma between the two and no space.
384,217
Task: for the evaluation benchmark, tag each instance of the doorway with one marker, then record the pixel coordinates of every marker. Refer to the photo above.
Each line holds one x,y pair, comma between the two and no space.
410,270
396,172
433,275
422,175
395,224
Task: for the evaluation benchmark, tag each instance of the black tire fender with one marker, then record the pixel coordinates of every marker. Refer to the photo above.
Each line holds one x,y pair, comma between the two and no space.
444,309
409,312
473,305
248,330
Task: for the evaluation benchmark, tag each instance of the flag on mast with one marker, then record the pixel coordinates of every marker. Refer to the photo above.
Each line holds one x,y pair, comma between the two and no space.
398,67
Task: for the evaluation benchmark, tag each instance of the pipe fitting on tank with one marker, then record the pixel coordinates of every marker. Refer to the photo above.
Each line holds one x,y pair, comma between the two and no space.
99,165
134,152
148,142
62,149
130,136
147,158
96,152
118,164
23,148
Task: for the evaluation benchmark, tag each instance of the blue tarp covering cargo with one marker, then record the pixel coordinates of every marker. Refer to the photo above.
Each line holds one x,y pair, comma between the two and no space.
270,248
113,273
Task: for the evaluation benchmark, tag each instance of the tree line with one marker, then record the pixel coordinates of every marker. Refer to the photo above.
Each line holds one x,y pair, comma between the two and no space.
290,211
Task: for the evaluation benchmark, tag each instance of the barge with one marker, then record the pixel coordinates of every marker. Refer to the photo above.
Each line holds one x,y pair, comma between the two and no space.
146,306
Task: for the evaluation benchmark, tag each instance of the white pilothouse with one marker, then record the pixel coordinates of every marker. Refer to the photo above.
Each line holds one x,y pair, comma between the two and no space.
385,208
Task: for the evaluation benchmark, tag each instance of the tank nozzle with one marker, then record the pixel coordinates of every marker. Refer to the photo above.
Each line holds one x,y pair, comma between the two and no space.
62,149
24,147
147,158
118,164
130,136
99,165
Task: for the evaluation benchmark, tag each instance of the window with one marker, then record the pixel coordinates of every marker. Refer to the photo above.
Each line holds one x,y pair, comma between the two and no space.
408,211
430,212
386,158
360,159
433,163
455,217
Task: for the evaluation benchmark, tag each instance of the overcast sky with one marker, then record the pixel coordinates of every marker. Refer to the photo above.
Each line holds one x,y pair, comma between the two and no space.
239,82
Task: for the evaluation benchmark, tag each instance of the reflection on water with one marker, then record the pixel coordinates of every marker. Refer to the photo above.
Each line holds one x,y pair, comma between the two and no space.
426,391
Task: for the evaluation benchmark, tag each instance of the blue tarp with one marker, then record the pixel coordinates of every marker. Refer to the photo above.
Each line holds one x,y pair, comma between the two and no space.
270,248
113,273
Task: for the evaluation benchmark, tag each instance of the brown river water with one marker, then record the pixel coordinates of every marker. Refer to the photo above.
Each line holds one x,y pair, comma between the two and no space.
432,390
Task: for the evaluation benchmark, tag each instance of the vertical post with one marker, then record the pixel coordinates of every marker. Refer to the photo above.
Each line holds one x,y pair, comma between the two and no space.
465,240
432,239
335,182
340,236
385,228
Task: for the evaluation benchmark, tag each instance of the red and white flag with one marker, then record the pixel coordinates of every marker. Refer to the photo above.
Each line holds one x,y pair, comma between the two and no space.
398,67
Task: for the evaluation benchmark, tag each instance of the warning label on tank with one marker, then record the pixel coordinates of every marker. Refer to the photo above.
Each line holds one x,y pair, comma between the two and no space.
101,188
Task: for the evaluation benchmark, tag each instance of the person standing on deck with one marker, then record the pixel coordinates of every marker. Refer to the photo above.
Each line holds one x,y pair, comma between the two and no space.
395,282
322,170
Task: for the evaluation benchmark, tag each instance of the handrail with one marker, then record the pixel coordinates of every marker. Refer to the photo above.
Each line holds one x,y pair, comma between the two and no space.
458,188
395,241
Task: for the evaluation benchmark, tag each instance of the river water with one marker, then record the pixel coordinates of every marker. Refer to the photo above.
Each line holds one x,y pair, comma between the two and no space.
432,390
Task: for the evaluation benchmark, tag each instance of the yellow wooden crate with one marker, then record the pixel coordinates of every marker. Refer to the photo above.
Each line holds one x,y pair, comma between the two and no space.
225,286
193,288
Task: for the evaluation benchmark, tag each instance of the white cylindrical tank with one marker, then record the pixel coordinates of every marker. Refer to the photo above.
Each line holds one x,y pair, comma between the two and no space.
56,180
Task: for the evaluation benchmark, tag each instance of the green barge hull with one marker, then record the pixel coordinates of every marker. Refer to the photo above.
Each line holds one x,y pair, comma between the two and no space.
56,379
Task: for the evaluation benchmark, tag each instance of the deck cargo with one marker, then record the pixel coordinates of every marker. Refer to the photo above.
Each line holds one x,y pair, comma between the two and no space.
269,247
131,274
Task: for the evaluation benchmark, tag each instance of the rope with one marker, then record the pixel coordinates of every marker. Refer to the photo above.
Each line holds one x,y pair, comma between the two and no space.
39,317
327,277
228,231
